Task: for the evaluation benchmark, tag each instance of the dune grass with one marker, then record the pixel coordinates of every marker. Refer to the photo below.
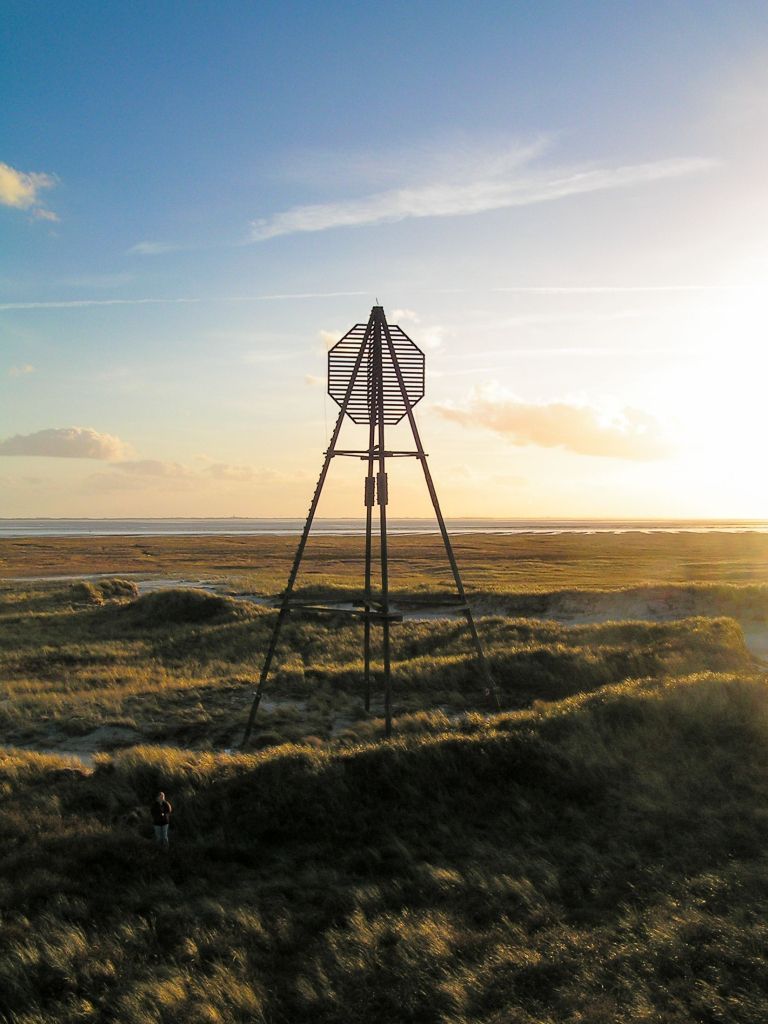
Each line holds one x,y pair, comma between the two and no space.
598,859
180,666
592,855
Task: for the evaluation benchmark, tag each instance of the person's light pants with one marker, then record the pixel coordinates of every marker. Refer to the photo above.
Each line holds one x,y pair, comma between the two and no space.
161,835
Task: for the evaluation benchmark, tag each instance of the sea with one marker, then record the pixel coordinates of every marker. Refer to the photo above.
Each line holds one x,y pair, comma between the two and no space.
340,527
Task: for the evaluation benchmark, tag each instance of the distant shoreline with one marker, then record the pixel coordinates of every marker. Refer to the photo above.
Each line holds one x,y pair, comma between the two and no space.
232,526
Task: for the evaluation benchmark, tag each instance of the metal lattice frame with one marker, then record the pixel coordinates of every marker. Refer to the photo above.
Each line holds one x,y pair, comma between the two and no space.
376,376
342,359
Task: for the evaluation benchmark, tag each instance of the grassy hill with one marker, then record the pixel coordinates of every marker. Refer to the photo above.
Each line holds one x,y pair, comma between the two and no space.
594,854
92,663
597,859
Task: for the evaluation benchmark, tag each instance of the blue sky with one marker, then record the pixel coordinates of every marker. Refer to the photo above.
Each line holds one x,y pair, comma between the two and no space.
564,203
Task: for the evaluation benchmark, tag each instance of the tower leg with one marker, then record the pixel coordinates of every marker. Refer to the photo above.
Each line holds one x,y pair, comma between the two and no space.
367,657
481,659
369,501
331,450
281,615
382,498
422,455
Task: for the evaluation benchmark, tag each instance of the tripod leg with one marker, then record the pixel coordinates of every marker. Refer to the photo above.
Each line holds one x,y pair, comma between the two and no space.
289,587
305,535
382,498
387,680
369,501
484,668
264,673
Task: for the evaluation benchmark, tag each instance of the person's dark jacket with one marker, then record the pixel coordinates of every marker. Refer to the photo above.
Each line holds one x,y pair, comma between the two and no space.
161,812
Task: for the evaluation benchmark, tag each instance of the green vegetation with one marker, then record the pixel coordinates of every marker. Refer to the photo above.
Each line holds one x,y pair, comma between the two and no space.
89,667
599,859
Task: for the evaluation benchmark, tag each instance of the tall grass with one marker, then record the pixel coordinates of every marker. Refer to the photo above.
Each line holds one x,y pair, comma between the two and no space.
180,666
597,859
593,854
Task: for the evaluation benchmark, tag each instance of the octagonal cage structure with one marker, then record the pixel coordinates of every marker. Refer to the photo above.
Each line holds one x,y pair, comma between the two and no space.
345,360
376,377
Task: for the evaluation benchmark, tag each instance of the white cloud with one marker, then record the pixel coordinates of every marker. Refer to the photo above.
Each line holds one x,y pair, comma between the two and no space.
627,434
426,336
492,185
313,380
21,190
404,316
67,443
429,337
21,371
329,338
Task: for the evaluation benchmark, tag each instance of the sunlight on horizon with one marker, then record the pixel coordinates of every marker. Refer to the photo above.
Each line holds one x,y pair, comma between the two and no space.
574,236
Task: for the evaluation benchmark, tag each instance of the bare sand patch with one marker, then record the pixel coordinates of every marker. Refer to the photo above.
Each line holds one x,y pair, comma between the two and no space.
105,738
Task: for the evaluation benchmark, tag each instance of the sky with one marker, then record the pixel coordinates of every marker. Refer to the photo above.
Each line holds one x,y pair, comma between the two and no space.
564,204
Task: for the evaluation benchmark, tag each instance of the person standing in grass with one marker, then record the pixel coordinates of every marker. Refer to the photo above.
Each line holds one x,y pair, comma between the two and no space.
161,815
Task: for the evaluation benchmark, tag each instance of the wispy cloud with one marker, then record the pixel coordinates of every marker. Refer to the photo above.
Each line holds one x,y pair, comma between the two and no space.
152,467
620,289
21,190
84,303
206,469
182,300
496,185
560,350
262,358
627,434
329,338
301,295
427,336
148,474
21,371
238,474
67,443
